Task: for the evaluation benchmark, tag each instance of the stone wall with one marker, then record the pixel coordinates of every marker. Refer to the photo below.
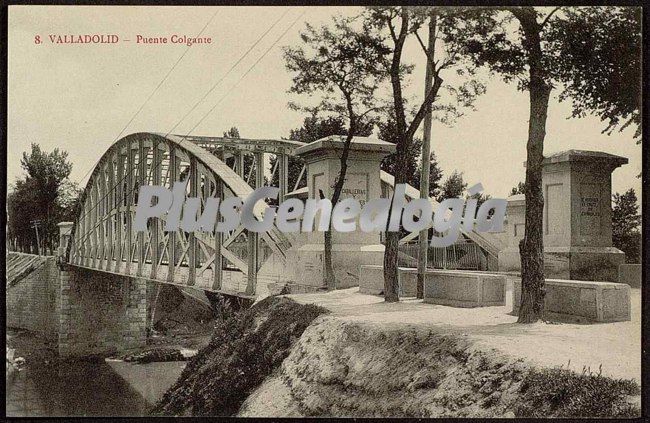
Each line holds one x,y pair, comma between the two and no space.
31,301
100,312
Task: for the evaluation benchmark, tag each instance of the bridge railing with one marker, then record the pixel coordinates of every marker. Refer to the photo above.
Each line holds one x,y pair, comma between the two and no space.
462,255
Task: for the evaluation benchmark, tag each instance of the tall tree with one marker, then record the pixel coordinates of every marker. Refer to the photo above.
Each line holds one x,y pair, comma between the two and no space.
452,187
233,132
44,194
345,66
626,221
400,23
22,203
531,56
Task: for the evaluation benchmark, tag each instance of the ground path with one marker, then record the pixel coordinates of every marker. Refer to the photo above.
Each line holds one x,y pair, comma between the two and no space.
617,346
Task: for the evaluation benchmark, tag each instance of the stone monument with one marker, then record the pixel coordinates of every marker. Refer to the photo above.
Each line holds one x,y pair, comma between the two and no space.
362,182
65,229
577,187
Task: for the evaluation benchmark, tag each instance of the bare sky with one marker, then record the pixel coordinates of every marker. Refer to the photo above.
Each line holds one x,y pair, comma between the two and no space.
79,97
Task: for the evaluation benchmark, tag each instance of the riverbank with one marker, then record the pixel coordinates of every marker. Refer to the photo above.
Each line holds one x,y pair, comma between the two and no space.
615,348
367,358
343,353
91,386
48,387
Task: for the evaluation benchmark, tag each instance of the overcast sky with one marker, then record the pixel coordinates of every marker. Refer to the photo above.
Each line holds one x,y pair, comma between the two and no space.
79,97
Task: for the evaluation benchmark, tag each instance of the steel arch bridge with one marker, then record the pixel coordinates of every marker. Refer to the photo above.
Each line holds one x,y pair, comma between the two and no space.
102,237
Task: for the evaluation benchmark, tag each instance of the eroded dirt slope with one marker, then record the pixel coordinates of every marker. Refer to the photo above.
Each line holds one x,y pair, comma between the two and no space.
361,369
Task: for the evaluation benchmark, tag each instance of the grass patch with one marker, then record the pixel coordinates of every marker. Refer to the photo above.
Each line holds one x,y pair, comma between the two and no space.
245,348
561,392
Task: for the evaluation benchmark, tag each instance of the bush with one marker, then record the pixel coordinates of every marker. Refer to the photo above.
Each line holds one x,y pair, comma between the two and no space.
245,348
563,393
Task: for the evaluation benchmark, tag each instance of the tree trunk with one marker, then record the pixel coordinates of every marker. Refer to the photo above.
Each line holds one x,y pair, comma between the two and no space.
531,248
330,279
406,139
391,293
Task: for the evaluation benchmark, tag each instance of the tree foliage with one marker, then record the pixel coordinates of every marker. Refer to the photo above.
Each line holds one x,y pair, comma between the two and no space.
388,132
596,54
591,54
519,189
342,67
44,194
233,132
454,186
435,175
626,221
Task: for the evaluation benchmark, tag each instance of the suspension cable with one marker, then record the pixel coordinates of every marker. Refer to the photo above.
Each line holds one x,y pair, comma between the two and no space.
132,189
162,81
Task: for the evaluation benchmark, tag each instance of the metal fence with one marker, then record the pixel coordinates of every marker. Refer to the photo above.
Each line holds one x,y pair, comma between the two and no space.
462,255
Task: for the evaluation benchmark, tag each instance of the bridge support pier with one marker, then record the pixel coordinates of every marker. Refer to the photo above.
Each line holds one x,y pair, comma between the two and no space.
100,312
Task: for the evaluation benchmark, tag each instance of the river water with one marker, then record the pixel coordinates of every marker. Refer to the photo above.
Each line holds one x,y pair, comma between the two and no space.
81,388
89,388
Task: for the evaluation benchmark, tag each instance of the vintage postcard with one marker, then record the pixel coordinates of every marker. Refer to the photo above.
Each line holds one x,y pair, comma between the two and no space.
324,211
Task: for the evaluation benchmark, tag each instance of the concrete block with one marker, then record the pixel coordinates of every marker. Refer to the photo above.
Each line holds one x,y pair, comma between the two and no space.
408,281
588,301
307,263
630,274
464,289
576,263
371,279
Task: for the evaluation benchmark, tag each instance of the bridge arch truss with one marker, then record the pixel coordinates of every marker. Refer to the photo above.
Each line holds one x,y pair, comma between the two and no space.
103,237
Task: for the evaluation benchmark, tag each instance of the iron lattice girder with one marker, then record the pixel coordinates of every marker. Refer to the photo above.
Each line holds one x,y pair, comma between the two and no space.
102,237
245,144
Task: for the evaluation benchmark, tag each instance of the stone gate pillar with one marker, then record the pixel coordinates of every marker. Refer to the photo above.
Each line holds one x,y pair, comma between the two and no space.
65,229
351,249
577,226
578,215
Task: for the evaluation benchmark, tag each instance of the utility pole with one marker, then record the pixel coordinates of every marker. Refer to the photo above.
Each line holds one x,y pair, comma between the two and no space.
35,224
426,152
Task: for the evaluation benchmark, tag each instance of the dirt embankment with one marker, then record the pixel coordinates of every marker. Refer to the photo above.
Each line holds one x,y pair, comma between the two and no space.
361,369
342,368
281,358
246,347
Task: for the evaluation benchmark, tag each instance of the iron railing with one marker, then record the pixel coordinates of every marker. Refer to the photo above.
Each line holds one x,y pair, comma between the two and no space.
462,255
